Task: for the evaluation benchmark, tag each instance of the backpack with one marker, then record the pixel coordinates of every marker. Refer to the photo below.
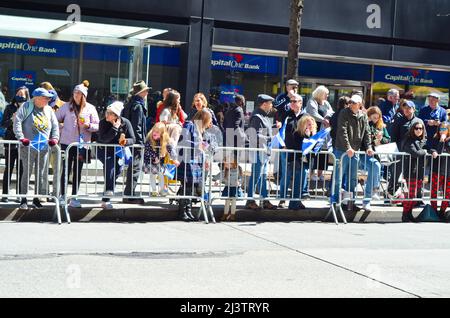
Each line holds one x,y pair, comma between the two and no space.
428,214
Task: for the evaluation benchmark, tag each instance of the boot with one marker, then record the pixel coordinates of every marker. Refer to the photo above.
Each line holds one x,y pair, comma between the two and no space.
182,211
408,217
442,216
188,212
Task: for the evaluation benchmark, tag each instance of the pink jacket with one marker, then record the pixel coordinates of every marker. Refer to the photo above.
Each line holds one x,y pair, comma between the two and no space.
69,132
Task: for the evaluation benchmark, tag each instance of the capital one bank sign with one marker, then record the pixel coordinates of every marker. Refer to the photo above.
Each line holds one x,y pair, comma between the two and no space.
244,63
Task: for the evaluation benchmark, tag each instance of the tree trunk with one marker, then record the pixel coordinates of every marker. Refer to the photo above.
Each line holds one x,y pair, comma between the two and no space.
294,38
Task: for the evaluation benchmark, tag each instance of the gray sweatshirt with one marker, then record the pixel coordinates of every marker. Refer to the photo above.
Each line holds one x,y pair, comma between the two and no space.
31,120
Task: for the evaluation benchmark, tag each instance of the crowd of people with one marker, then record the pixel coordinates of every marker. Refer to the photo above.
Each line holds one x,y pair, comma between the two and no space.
164,135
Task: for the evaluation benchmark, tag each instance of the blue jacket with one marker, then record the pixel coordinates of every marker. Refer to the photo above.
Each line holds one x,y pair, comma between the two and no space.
190,156
427,114
388,110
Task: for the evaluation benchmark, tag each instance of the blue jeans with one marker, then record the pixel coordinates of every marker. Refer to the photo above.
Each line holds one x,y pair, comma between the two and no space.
259,178
373,168
111,167
284,183
300,176
349,175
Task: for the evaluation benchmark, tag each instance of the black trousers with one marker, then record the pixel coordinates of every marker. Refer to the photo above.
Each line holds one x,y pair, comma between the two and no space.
11,160
133,172
75,164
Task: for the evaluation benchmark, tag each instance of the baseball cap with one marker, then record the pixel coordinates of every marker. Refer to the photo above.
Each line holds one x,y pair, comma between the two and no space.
409,103
356,99
38,92
435,95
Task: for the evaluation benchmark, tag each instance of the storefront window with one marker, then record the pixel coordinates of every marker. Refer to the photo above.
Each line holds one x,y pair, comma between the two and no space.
107,68
161,69
245,74
414,84
28,62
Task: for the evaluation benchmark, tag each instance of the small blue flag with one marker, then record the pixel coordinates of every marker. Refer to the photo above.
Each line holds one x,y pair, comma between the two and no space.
124,154
169,171
278,139
40,142
315,143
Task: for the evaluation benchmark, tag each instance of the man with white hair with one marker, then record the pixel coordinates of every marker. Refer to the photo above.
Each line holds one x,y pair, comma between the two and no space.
389,107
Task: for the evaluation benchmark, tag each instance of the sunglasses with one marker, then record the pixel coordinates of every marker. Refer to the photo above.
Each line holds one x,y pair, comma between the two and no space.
418,128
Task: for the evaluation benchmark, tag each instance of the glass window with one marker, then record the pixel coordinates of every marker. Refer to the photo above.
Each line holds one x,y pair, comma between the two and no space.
245,74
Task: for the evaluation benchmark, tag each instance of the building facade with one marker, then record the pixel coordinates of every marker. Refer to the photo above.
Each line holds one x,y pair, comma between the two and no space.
224,47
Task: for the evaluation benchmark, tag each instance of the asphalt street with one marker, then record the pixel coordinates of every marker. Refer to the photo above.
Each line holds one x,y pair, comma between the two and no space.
174,259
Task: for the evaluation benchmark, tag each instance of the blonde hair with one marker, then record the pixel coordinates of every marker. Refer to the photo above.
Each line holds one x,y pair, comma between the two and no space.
319,92
202,98
375,110
174,131
301,125
204,117
47,85
164,138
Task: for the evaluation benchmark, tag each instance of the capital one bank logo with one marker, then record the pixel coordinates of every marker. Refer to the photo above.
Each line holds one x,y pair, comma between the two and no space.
233,61
412,77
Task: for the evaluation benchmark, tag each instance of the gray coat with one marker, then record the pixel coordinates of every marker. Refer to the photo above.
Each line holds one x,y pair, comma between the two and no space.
260,124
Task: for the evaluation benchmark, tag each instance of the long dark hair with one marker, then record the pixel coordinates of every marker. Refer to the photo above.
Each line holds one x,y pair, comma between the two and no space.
171,103
413,135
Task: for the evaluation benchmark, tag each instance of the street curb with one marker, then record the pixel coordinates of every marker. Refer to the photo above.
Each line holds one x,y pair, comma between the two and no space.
163,213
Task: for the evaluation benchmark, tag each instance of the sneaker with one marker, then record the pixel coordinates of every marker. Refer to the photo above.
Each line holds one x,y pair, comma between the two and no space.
37,203
366,207
74,203
251,205
282,204
107,205
306,196
300,206
269,206
23,206
164,192
109,193
154,194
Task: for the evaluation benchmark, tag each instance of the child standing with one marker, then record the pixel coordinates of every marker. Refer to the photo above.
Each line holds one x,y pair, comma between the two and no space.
157,149
441,168
232,176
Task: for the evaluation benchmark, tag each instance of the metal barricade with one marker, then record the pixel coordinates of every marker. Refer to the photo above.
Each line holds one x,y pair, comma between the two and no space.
400,178
116,172
254,174
32,169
